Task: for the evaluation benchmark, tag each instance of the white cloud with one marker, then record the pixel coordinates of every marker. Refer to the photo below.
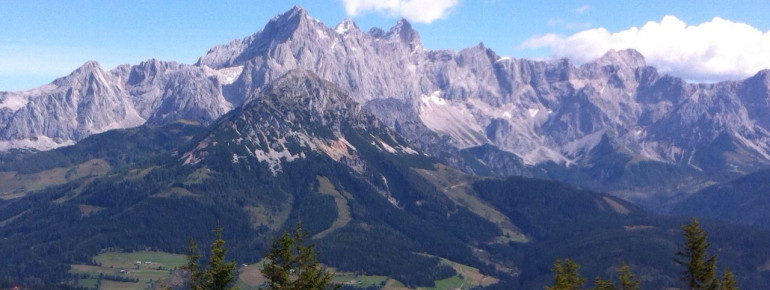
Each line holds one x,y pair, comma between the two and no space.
425,11
559,22
583,9
711,51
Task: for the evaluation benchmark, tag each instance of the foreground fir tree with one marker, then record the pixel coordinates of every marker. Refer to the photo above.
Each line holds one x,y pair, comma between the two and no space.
219,274
701,269
728,281
566,276
193,256
601,284
628,280
290,265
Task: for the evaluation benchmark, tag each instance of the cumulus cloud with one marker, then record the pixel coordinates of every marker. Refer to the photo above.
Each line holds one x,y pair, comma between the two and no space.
711,51
425,11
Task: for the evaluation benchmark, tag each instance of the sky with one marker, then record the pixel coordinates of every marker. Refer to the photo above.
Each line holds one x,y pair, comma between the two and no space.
703,41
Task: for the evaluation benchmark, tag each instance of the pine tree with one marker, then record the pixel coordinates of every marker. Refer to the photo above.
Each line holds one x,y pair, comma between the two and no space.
292,265
566,276
700,272
628,280
728,281
601,284
219,274
193,256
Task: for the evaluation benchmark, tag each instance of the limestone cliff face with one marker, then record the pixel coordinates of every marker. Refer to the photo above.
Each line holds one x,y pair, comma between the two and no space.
443,101
540,111
91,100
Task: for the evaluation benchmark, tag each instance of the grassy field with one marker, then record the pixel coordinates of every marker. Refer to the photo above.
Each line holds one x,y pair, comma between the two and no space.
15,185
199,176
175,192
359,280
146,266
343,211
250,277
150,267
457,186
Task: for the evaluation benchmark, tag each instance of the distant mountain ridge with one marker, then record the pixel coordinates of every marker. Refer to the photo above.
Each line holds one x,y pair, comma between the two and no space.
546,118
91,100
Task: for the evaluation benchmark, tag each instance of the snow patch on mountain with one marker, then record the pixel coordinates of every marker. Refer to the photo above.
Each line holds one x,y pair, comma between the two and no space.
228,75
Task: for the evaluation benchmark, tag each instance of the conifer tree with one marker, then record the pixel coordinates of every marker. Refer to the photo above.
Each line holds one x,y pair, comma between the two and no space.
628,280
193,256
728,281
601,284
566,276
219,273
700,272
292,265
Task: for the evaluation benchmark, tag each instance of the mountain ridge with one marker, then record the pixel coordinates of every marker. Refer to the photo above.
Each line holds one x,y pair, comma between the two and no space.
549,114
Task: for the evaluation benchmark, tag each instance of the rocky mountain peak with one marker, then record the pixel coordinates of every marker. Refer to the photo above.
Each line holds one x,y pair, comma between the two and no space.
404,31
629,58
347,25
90,68
296,14
149,69
290,21
295,24
765,74
305,89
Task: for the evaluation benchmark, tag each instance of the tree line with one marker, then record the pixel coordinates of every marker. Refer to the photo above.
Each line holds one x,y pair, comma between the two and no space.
700,268
289,265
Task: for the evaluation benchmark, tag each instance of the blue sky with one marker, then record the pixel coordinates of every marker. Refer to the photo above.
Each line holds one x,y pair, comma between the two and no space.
710,41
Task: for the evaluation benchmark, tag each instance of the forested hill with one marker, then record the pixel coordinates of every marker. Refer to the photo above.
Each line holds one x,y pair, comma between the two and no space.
742,201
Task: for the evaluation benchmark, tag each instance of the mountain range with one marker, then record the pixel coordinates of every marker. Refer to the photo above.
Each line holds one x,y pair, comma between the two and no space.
372,140
547,119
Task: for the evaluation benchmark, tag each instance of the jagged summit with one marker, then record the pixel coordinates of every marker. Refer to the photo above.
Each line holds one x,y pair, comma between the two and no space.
88,68
295,11
630,58
307,89
290,21
404,31
346,26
